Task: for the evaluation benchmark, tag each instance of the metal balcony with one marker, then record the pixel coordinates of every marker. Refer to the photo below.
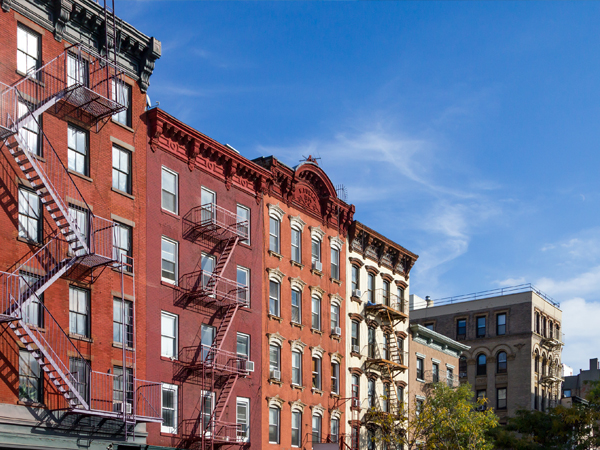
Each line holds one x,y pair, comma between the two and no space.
386,305
211,220
551,343
217,432
382,355
208,289
209,359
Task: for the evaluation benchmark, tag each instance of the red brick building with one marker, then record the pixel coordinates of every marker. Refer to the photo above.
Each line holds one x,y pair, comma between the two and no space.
205,258
303,299
72,227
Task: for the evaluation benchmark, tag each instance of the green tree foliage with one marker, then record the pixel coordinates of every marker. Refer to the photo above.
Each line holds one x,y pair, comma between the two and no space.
447,420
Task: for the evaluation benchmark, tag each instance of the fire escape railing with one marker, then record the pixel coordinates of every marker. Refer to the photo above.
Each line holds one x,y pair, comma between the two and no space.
213,220
211,288
210,358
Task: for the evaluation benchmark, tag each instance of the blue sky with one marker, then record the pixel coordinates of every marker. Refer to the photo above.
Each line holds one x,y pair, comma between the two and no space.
466,132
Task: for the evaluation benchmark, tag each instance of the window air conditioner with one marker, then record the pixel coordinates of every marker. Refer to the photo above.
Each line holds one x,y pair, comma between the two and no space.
356,349
119,407
276,375
356,293
337,331
250,366
317,265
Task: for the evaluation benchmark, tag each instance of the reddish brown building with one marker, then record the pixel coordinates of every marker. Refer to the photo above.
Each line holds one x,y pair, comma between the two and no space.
72,227
205,258
303,299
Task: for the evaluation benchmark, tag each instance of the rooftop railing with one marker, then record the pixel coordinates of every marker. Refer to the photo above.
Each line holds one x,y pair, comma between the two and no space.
527,287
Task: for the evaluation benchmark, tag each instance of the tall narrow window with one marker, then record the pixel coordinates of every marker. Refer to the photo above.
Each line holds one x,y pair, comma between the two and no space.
122,251
169,408
243,280
28,50
296,306
420,369
335,430
169,190
208,200
355,336
274,236
207,265
31,309
370,288
501,324
296,428
435,372
243,418
335,378
537,322
77,71
501,398
169,260
208,405
121,93
316,373
371,344
450,376
371,392
30,132
481,364
123,382
207,340
316,313
274,425
81,218
296,245
386,293
168,327
119,326
385,350
297,368
80,371
274,291
385,401
315,250
335,318
243,226
243,346
274,359
335,263
480,327
355,389
30,378
78,150
462,367
461,328
316,428
79,311
355,280
121,170
501,363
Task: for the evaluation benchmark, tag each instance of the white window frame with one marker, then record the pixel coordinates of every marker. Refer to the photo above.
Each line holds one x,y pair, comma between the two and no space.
299,428
249,214
277,425
121,93
319,431
174,339
298,248
174,389
297,368
298,306
315,312
318,384
246,402
77,313
29,218
247,272
276,300
242,355
163,190
120,171
30,131
315,257
26,48
335,313
74,152
278,362
335,375
335,263
176,262
275,235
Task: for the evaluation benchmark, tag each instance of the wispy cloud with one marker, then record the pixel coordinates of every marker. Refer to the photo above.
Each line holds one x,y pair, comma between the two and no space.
581,332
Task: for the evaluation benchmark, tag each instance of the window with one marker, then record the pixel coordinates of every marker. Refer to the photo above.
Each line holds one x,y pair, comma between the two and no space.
77,71
370,288
386,293
501,398
169,408
274,234
419,406
385,401
354,438
297,368
243,214
481,364
480,327
315,250
30,132
316,313
118,316
544,326
461,328
80,370
435,372
168,331
296,306
30,378
122,251
207,265
567,393
118,386
32,309
243,418
355,388
371,392
316,373
420,369
274,290
316,428
207,407
296,428
537,363
371,440
371,345
429,326
81,218
208,200
274,425
243,279
481,395
355,279
169,260
78,150
335,429
121,93
335,263
335,378
296,245
121,170
501,324
79,311
450,376
355,334
385,348
537,322
462,367
274,357
335,317
207,339
550,328
501,362
170,190
28,49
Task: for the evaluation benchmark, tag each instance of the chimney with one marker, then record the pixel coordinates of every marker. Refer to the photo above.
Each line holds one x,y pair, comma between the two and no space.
594,364
428,301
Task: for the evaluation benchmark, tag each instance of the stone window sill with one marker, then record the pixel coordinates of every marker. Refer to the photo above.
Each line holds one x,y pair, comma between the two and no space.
123,193
80,175
297,264
274,317
336,281
297,325
274,381
276,255
317,391
297,386
316,272
315,331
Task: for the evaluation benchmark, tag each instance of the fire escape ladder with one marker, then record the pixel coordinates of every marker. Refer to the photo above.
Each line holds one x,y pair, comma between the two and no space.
217,413
225,324
222,261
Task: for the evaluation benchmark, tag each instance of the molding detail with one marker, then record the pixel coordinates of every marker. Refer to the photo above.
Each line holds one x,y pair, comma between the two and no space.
276,401
317,291
317,352
297,405
276,212
336,299
297,283
318,409
336,242
297,344
275,338
317,233
276,275
297,223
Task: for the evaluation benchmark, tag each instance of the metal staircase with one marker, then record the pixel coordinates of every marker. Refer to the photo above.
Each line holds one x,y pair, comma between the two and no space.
81,238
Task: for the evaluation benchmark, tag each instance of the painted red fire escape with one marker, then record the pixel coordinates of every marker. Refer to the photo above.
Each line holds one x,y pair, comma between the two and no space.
82,84
209,365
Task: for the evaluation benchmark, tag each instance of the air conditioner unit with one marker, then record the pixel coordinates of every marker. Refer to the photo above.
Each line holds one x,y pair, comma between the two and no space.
250,366
276,375
317,265
356,349
119,407
356,293
337,331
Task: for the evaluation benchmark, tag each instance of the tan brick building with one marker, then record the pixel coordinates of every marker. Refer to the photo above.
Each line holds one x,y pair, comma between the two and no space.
516,344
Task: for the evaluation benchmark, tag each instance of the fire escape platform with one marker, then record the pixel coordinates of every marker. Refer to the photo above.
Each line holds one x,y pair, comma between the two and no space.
384,310
211,220
211,359
86,103
221,433
199,289
380,362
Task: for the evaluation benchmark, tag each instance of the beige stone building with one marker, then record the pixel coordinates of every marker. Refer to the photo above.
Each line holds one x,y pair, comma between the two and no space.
516,344
377,329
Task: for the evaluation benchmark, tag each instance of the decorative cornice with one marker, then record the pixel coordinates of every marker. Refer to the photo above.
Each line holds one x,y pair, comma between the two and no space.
276,274
275,338
317,351
297,283
276,211
276,401
336,299
297,405
297,222
297,344
317,291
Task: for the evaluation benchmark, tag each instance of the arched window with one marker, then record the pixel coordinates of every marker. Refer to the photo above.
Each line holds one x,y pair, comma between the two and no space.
462,367
501,365
544,362
544,326
537,362
481,364
550,329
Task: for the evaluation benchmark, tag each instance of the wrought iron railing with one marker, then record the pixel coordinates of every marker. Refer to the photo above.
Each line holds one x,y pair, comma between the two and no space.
527,287
213,288
218,431
211,217
212,358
